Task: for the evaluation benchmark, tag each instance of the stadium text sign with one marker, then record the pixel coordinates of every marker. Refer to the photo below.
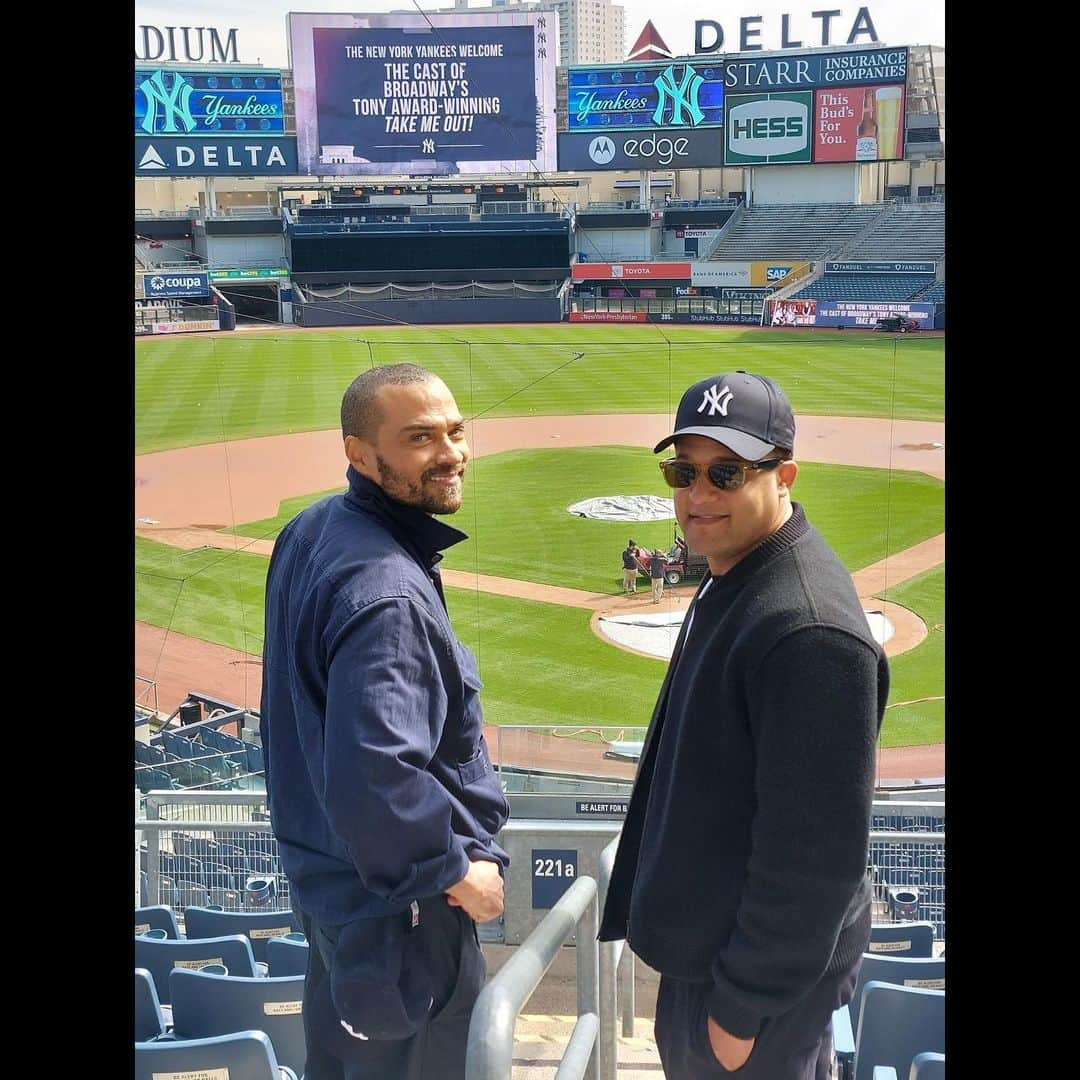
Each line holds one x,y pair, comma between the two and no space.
709,34
185,44
863,67
553,872
471,93
645,96
631,271
766,129
927,267
170,156
192,103
172,285
669,149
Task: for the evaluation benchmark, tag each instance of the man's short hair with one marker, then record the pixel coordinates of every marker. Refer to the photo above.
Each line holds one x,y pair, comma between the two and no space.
360,414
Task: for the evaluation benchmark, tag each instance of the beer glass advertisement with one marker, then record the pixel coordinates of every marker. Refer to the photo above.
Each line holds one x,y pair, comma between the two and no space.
428,95
859,123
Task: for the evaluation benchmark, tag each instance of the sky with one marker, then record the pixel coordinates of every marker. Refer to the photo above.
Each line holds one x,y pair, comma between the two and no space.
260,24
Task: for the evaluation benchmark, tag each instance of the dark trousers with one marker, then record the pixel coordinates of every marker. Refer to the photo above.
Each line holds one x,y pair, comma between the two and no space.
437,1050
796,1045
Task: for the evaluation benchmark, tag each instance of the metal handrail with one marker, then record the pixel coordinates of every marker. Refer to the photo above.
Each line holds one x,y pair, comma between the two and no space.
490,1050
616,978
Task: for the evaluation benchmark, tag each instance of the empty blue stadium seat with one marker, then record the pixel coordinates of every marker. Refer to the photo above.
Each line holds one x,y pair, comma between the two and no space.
149,1019
159,957
287,955
156,917
246,1054
205,1004
895,1024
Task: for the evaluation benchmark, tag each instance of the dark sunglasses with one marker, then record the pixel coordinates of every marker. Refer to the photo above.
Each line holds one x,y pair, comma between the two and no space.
726,475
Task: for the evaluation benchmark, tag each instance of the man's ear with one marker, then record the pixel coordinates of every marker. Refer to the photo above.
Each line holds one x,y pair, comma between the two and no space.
786,474
361,455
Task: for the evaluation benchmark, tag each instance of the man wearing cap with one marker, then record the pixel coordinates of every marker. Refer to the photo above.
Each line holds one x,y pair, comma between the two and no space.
741,869
379,785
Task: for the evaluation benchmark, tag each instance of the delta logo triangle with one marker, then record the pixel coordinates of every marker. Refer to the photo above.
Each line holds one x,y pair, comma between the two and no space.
151,160
649,45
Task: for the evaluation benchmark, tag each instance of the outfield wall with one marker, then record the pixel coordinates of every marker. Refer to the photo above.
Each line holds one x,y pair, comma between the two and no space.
421,312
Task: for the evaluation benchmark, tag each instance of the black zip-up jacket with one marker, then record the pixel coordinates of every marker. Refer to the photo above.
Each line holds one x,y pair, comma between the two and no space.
379,783
742,861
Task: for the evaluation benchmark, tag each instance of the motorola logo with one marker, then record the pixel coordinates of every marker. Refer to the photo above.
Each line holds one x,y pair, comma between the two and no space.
602,150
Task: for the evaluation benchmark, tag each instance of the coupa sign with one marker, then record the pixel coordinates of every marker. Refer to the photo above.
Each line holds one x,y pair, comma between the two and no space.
768,128
173,285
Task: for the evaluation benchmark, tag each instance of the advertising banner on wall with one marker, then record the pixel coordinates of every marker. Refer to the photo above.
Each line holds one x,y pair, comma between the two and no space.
175,284
796,71
867,313
260,273
194,102
859,123
792,312
428,94
720,273
775,271
704,317
927,266
640,97
630,271
184,327
673,148
236,155
607,316
768,129
837,313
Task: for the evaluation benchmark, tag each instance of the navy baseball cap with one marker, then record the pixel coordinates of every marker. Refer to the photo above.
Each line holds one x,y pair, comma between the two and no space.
749,414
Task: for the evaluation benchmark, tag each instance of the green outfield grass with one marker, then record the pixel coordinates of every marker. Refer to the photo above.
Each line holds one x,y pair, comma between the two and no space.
540,663
191,389
919,673
515,513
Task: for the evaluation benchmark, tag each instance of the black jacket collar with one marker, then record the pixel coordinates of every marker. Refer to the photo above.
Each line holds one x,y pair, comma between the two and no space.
416,530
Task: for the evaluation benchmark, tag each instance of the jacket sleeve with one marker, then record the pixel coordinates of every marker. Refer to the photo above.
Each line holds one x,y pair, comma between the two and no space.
814,717
386,706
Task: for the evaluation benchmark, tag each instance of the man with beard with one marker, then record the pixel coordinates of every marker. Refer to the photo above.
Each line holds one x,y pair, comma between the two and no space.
379,784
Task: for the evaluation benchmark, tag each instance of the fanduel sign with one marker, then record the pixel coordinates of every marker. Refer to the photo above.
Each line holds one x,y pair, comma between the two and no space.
191,44
709,34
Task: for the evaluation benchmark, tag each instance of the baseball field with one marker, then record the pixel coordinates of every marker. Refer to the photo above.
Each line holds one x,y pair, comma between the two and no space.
557,414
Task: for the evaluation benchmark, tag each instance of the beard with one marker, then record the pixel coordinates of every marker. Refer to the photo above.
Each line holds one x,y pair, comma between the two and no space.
428,495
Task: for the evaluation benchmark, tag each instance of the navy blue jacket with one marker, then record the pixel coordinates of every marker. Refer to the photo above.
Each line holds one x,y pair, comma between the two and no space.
378,779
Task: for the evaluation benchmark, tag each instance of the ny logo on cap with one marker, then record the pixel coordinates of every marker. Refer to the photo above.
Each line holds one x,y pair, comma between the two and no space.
717,400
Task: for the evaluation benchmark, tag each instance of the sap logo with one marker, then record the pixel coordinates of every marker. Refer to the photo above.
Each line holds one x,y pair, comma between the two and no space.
768,127
776,273
665,150
602,150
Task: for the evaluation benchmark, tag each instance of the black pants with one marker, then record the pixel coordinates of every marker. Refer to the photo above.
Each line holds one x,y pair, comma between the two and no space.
437,1050
796,1045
